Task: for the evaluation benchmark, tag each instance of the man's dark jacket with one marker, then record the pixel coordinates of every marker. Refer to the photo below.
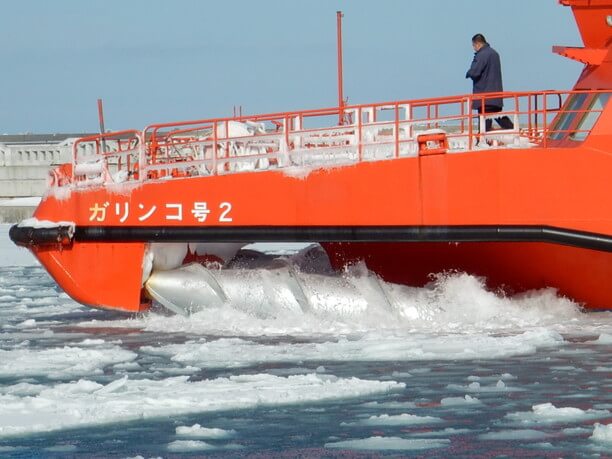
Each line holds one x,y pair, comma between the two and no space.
487,76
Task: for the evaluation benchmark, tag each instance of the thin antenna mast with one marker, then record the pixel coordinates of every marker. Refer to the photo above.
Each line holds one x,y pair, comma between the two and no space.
101,116
101,121
339,17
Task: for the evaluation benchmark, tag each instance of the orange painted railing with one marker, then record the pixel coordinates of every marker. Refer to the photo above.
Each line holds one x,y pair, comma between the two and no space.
380,131
102,158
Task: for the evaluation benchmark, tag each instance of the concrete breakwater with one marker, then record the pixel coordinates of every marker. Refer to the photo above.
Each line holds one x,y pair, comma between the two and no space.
25,162
14,213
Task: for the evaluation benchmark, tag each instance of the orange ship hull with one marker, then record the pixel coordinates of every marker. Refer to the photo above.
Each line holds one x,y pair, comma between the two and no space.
413,195
409,202
511,268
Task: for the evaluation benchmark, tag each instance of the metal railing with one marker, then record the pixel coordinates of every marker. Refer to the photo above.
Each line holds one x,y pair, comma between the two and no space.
313,138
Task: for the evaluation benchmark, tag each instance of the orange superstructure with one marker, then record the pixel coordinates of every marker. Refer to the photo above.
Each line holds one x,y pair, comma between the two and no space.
410,187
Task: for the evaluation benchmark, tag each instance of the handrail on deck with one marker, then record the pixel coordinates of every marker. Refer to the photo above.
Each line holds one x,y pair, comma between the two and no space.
378,131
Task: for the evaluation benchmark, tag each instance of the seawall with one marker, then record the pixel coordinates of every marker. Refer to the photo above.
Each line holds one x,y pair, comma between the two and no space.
25,163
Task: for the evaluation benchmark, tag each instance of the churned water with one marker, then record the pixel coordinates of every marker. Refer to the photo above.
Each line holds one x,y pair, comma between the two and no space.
461,372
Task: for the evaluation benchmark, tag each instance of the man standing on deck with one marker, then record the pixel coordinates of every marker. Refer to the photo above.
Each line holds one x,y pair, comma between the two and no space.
486,74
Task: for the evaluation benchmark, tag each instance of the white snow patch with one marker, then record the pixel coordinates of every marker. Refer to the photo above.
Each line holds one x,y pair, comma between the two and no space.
389,444
147,263
37,224
287,248
86,403
31,201
225,251
169,255
120,176
197,431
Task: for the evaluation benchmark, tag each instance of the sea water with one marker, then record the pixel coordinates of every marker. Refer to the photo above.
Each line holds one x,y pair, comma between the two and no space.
467,373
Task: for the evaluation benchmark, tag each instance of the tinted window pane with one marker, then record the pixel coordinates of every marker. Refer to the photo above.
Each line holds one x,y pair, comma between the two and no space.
590,118
567,116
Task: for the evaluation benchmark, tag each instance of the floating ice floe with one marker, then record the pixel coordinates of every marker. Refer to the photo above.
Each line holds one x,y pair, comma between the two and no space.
449,431
547,413
236,352
389,444
390,405
519,434
570,431
401,374
603,369
602,433
185,446
62,362
475,386
61,449
86,403
29,323
397,420
604,338
460,401
197,431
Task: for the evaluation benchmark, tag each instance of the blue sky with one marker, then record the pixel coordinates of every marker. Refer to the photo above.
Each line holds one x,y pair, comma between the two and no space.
160,60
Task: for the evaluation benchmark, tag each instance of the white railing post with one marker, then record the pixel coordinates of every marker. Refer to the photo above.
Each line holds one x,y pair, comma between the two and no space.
297,139
214,158
482,127
142,156
408,117
360,134
286,132
396,128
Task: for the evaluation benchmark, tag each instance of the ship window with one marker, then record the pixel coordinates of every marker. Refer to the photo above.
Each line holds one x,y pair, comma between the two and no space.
590,118
567,117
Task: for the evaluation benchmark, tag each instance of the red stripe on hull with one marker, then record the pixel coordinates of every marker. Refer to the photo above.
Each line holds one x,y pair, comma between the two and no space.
581,274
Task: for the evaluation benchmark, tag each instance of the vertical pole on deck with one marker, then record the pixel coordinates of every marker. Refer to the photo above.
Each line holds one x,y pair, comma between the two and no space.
101,121
339,16
101,115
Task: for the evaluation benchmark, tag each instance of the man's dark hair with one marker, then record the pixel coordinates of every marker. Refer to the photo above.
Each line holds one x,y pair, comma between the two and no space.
479,38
